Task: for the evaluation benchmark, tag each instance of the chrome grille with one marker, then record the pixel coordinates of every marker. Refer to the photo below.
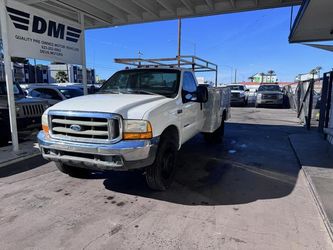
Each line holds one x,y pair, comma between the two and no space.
32,110
269,96
85,127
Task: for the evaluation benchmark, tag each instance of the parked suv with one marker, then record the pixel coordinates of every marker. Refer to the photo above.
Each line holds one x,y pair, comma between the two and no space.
239,94
269,95
53,93
28,111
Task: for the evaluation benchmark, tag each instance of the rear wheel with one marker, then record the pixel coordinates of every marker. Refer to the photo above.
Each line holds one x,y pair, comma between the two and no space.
217,135
72,171
160,174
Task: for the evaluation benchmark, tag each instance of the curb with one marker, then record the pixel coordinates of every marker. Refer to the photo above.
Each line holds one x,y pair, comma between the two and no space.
18,159
319,205
314,195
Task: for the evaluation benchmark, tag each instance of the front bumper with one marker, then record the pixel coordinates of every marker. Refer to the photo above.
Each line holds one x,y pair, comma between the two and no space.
123,155
238,100
270,101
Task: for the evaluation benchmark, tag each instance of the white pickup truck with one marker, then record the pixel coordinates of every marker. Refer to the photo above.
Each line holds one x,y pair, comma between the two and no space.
138,119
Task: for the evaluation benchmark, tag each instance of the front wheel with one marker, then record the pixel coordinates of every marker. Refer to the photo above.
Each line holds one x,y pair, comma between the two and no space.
72,171
160,174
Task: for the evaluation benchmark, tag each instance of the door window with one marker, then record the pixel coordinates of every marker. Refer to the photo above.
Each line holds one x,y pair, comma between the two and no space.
189,92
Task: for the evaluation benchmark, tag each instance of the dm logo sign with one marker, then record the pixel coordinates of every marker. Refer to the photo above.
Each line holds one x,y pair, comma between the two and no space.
34,33
21,20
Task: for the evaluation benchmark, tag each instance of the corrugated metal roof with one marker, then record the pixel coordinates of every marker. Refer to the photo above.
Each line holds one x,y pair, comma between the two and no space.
108,13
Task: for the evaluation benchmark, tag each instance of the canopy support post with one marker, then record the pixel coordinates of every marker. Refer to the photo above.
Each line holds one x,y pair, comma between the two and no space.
83,53
8,75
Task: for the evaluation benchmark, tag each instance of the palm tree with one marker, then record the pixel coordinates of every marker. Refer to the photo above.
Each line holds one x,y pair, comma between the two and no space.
262,74
251,78
61,76
271,73
313,72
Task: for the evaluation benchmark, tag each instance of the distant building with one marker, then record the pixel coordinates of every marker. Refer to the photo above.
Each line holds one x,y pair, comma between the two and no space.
38,74
73,72
264,78
27,73
18,72
308,76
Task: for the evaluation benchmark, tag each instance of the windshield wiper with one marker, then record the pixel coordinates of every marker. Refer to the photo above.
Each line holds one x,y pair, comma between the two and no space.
141,91
108,92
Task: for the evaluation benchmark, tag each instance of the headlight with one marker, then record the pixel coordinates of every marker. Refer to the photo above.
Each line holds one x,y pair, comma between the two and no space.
137,129
241,94
45,123
280,96
17,109
259,95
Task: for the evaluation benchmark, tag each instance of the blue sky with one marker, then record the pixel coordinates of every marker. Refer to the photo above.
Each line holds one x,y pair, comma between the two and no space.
252,42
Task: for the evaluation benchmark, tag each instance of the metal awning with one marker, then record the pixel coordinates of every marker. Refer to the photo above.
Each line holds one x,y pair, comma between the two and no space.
321,46
106,13
314,22
91,14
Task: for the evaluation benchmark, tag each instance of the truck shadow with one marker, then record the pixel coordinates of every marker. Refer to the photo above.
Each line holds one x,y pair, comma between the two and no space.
254,162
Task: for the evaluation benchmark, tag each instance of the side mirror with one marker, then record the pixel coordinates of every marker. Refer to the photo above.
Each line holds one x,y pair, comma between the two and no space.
202,94
247,90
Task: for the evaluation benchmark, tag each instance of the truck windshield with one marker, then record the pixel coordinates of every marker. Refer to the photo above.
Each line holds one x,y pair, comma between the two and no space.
237,87
144,81
269,88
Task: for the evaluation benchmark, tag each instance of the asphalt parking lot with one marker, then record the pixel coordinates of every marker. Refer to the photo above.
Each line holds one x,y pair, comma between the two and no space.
247,193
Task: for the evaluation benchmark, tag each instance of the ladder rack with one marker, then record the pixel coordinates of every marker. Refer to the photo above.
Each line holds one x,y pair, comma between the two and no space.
194,63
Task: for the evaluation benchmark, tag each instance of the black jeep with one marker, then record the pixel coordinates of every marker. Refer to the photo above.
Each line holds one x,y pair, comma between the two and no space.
28,111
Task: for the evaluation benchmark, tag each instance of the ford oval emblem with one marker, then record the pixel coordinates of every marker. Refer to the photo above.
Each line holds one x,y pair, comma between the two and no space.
75,127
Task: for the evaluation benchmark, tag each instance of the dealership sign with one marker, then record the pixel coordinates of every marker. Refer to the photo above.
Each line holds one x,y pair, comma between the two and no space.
33,33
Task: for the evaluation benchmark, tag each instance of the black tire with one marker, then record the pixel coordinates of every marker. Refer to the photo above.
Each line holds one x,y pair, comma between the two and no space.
72,171
5,135
4,140
160,174
217,135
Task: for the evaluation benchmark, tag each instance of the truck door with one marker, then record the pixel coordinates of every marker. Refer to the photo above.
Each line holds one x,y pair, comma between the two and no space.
192,118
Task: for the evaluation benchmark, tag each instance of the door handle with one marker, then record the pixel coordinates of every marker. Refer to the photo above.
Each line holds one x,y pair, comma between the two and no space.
179,111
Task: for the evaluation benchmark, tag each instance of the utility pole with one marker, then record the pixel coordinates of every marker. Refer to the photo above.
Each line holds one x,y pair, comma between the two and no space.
235,75
179,39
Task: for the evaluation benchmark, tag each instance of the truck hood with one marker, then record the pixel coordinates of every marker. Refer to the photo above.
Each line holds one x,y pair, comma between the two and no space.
130,106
